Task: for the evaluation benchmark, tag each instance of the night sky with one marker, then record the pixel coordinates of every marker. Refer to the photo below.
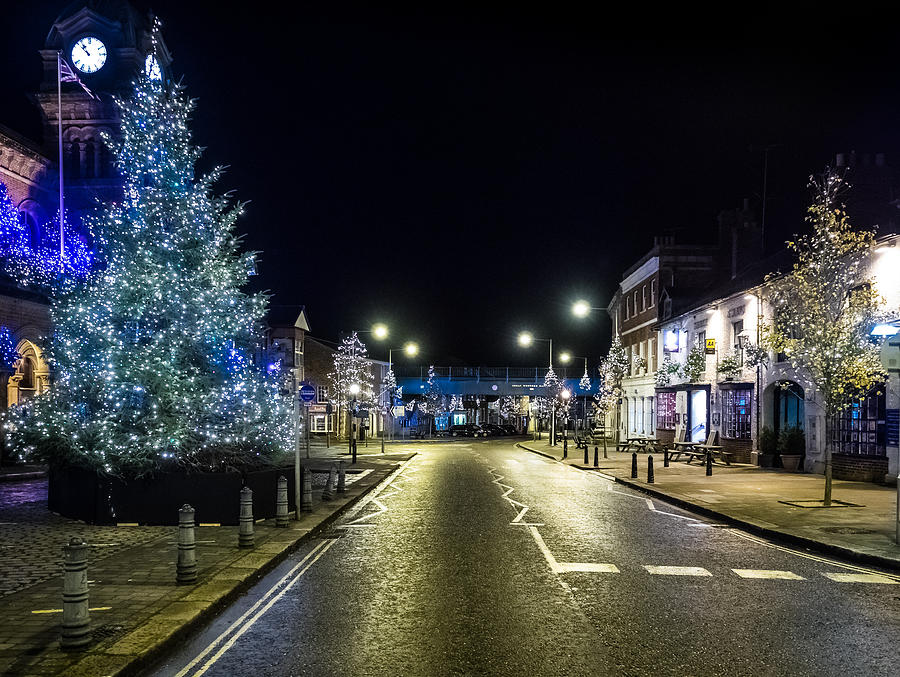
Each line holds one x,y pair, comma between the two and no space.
462,174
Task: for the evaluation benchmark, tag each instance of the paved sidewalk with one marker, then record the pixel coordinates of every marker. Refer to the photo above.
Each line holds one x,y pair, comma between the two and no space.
138,609
751,497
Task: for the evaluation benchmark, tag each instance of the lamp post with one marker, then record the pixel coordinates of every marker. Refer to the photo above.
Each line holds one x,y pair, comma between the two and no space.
525,340
565,358
565,395
354,391
411,349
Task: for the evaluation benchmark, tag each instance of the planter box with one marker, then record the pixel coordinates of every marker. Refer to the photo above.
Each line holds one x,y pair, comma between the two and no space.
791,462
97,499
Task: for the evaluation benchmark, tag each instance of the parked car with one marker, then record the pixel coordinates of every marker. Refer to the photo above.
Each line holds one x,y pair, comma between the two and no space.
509,429
492,429
465,430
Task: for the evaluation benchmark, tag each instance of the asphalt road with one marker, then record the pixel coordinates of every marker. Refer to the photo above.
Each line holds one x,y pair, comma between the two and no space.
483,559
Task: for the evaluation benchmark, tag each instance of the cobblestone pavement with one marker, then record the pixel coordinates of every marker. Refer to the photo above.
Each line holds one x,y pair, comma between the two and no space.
32,538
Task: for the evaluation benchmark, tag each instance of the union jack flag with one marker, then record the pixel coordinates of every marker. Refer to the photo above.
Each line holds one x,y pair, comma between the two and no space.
66,74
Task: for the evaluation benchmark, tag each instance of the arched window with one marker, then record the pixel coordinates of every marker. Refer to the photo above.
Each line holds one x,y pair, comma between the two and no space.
89,159
73,159
27,382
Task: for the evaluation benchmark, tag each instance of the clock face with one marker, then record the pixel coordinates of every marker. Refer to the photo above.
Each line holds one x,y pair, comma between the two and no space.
89,54
151,67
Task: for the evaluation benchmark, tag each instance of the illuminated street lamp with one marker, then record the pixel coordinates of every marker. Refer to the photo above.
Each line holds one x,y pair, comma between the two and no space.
525,340
411,349
565,357
582,308
380,331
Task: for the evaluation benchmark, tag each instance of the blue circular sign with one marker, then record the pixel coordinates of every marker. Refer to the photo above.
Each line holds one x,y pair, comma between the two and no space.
307,393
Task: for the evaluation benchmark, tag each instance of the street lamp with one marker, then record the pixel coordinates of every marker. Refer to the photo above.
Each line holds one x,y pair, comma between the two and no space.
525,340
354,391
566,357
411,349
565,395
582,308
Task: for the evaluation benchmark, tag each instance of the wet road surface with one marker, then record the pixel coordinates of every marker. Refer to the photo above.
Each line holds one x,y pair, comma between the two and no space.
480,558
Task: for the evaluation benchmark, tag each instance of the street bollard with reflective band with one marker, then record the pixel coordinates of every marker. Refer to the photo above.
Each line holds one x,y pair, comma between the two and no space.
708,463
596,457
634,465
76,621
665,458
186,568
245,530
306,504
650,470
281,503
342,479
328,492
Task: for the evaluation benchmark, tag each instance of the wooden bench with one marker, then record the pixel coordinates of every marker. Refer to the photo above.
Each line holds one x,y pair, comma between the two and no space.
712,448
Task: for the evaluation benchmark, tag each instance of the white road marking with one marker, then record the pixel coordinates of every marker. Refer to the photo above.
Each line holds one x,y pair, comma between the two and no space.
768,573
816,558
242,626
566,567
676,571
551,560
860,578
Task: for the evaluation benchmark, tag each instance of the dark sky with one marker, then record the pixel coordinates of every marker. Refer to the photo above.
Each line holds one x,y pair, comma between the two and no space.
463,174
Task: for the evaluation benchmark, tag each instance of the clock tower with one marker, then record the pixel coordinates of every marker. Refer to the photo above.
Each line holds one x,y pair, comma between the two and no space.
106,43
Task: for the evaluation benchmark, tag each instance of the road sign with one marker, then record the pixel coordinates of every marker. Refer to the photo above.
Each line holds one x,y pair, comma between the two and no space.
399,410
307,393
710,346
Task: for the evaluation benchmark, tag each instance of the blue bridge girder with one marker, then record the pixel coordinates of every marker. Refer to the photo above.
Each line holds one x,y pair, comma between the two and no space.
520,381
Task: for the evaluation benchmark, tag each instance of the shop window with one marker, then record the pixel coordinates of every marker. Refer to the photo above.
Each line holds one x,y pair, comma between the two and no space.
860,428
736,414
665,411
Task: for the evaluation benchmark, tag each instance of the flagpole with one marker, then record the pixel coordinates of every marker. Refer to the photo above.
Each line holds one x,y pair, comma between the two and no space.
62,210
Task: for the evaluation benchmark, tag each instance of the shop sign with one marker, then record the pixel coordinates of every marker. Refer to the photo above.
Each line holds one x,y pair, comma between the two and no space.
710,346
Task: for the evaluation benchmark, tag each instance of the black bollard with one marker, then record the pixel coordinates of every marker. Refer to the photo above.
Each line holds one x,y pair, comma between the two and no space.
596,458
634,465
649,470
354,452
565,447
665,458
585,455
708,463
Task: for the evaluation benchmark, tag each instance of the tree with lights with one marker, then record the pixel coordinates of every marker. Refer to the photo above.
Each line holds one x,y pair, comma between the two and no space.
351,371
613,369
33,259
826,306
152,349
584,385
434,403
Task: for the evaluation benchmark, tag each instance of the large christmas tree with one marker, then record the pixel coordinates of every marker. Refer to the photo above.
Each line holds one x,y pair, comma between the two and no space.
152,351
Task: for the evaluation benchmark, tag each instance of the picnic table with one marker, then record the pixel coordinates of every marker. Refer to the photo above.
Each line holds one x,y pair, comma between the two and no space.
640,443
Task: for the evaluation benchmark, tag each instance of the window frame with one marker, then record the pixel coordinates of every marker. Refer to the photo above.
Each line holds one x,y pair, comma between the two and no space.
737,425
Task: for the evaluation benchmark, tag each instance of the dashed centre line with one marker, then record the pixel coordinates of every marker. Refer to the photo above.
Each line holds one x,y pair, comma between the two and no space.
676,571
768,573
859,578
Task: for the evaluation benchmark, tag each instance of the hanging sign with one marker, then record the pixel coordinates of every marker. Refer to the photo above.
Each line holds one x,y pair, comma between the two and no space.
710,346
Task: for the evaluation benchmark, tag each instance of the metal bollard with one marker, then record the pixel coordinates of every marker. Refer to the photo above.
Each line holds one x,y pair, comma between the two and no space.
245,530
76,620
634,465
341,479
565,447
306,503
186,568
281,503
596,457
708,463
354,452
665,458
650,470
585,455
328,492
